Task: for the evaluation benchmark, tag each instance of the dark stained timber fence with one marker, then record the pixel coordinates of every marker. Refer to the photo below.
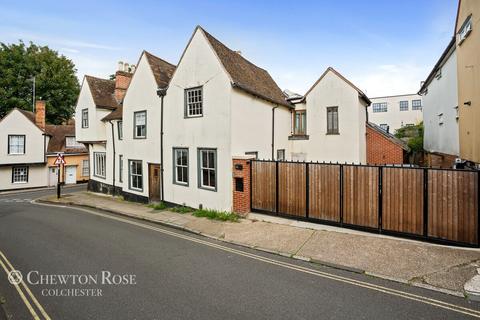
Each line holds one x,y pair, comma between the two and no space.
438,205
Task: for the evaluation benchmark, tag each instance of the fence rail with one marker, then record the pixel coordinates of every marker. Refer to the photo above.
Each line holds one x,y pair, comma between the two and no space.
438,205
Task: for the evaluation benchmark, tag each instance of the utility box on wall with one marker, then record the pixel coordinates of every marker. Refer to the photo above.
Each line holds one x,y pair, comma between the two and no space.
241,184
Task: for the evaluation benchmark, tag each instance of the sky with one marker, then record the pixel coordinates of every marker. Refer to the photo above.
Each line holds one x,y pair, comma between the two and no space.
384,47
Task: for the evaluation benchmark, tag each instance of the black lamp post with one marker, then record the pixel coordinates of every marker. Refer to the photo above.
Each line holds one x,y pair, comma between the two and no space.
161,92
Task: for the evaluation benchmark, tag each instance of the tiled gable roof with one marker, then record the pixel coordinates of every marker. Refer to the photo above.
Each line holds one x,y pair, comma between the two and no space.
102,92
162,70
57,142
116,114
245,75
389,136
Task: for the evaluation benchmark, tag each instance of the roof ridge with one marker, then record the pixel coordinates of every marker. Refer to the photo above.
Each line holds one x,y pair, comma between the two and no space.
103,79
157,57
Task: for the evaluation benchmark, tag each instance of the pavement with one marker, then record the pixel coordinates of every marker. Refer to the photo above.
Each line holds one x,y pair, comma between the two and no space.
180,275
436,267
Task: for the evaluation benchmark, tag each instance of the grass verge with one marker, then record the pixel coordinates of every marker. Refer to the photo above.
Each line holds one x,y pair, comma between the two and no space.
158,206
216,215
181,209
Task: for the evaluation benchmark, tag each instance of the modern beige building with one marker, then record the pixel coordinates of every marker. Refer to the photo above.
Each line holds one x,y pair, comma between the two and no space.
468,72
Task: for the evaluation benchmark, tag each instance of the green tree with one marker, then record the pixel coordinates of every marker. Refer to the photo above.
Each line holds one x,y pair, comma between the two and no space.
55,80
413,135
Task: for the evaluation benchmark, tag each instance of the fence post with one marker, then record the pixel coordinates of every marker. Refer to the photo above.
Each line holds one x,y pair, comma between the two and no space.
276,187
425,203
380,199
341,194
307,191
478,208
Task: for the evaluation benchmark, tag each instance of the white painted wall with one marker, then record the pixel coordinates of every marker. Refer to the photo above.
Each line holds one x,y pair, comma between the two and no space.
100,147
141,95
251,126
442,98
199,67
37,177
350,144
96,128
110,153
16,123
394,117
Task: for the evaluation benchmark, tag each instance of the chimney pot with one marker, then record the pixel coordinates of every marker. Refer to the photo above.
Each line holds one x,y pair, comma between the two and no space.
120,66
125,67
40,114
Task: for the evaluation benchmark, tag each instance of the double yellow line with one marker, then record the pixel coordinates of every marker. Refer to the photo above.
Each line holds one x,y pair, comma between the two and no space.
402,294
28,298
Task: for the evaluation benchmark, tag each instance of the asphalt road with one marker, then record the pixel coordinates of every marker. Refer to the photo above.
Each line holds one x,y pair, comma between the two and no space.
169,274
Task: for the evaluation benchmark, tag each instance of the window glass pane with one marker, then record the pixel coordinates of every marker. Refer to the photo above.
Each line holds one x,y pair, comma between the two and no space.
205,177
212,178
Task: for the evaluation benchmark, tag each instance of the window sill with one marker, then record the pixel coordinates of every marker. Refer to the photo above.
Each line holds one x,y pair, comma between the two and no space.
299,137
180,184
144,137
20,182
208,188
192,117
332,133
134,189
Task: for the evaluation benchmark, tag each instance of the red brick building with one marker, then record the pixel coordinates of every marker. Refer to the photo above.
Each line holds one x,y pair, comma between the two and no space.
383,147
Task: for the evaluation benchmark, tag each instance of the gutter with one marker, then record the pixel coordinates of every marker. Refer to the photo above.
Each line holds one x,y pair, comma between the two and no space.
161,92
114,155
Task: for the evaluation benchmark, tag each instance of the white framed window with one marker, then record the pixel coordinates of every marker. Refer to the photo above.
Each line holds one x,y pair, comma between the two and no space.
404,105
332,120
84,118
379,107
20,174
16,144
140,124
281,154
180,169
465,30
384,127
136,175
86,168
417,104
99,164
300,122
194,102
120,168
207,169
120,130
71,142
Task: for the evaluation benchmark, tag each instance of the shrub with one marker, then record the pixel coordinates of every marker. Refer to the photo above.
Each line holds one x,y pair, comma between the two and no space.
216,215
158,206
181,209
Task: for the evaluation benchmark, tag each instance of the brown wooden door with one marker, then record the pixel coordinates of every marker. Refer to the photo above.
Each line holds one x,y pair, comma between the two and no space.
154,182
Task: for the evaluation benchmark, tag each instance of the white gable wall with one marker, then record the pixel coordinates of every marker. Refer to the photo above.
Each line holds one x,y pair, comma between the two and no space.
350,144
96,128
199,67
442,99
141,95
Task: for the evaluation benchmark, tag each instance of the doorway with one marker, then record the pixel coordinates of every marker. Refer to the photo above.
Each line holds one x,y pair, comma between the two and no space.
154,182
70,174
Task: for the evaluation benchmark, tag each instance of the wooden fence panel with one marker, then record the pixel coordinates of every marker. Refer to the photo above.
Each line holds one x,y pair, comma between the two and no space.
453,205
360,196
292,188
402,202
263,185
324,191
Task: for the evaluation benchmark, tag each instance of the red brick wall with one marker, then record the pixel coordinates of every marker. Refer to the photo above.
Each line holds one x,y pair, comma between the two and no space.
122,81
381,150
241,200
40,113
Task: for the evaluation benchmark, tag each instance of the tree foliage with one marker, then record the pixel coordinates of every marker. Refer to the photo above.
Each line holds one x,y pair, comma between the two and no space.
55,80
413,135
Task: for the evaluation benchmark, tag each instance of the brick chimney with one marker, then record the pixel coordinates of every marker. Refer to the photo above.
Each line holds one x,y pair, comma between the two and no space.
122,79
40,114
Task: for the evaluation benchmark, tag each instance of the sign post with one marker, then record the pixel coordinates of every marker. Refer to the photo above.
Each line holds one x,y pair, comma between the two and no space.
59,161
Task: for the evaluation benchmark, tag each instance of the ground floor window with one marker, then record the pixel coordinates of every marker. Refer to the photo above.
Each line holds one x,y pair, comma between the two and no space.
20,174
120,168
99,164
85,168
136,175
207,169
180,158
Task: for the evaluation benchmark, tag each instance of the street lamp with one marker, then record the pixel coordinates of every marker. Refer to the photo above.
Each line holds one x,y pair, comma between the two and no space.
161,92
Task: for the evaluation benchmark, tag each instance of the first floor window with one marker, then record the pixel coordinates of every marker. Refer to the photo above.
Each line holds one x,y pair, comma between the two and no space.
85,118
136,175
180,166
16,144
207,168
85,168
300,122
332,120
99,164
404,105
252,153
417,104
194,102
384,126
379,107
281,154
120,168
140,124
20,174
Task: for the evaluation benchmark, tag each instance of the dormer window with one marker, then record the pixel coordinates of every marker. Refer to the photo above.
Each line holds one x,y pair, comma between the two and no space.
194,102
71,142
